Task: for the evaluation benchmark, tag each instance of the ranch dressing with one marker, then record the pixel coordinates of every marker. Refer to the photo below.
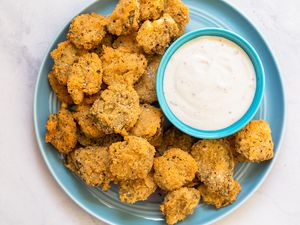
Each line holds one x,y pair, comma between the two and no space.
209,83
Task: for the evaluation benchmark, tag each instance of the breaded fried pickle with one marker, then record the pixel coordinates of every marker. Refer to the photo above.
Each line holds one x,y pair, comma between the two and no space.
174,169
151,9
64,56
61,130
117,110
155,37
219,200
60,90
87,122
85,77
174,138
215,164
254,141
104,141
149,122
132,191
87,30
91,164
179,12
179,204
145,87
122,67
125,17
131,159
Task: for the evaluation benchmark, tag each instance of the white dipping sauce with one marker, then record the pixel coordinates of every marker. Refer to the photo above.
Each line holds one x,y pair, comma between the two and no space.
209,83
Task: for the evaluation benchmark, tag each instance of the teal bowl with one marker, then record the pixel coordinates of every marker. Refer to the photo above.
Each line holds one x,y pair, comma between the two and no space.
260,83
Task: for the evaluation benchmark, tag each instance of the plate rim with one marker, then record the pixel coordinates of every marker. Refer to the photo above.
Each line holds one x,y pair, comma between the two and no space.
218,218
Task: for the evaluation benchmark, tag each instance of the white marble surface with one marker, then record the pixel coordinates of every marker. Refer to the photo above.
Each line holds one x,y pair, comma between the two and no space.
28,193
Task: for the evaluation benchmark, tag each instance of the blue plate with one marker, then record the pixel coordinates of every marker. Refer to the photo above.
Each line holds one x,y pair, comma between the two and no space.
105,205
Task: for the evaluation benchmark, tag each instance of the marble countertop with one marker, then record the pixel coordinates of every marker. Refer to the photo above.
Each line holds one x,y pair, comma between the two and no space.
28,193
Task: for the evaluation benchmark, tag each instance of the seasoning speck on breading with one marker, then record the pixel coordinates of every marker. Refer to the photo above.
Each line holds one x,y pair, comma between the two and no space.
125,17
87,30
61,130
179,204
174,169
215,164
151,9
146,86
149,122
121,66
60,90
117,110
131,159
64,56
132,191
179,12
92,165
254,141
156,36
219,200
85,77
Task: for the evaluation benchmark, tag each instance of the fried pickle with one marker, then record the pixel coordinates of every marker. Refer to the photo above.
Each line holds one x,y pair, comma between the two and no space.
215,164
61,130
125,17
85,77
219,200
60,90
128,43
146,86
179,12
104,141
149,122
121,66
131,159
254,141
64,56
92,165
87,30
174,169
155,37
117,110
132,191
179,204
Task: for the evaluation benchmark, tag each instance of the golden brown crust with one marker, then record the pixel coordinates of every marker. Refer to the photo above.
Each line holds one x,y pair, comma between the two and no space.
85,77
60,90
131,159
149,122
254,141
132,191
61,131
151,9
87,30
146,86
117,110
215,164
174,138
121,66
92,165
219,200
128,43
64,56
125,17
155,37
179,204
174,169
179,12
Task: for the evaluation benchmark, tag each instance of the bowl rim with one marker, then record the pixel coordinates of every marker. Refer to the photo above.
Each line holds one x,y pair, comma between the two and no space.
257,99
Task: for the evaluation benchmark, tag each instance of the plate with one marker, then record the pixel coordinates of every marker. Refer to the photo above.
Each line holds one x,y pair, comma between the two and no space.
105,205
